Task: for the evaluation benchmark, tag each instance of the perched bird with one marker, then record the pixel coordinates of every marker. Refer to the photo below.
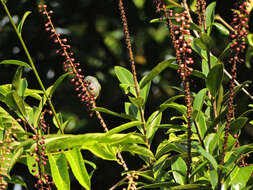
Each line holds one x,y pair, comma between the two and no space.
94,86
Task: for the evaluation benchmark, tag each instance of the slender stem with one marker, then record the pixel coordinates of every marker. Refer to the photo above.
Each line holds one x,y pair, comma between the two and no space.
219,18
131,57
32,65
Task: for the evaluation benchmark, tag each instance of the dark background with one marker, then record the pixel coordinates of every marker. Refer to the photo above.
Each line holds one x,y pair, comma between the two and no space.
94,30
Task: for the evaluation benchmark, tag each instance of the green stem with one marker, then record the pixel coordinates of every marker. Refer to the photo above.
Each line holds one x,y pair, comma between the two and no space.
32,65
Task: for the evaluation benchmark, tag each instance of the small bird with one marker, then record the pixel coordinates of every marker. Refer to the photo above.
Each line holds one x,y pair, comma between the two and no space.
94,86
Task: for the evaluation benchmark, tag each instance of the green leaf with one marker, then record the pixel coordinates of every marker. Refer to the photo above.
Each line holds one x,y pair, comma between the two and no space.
125,77
204,42
20,25
137,149
123,127
132,110
17,78
138,102
225,53
104,151
210,13
248,56
16,62
22,88
121,115
201,124
241,177
156,71
59,170
179,165
166,147
20,103
159,164
145,90
57,83
78,168
139,3
214,79
199,99
207,155
222,29
153,124
250,39
8,121
16,180
237,125
181,108
31,162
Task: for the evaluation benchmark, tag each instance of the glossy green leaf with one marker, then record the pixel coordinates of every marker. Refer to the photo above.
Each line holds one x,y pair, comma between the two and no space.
104,151
221,28
121,115
71,141
207,155
145,90
199,99
57,83
225,53
159,164
210,13
22,88
156,71
240,177
179,165
166,147
201,120
59,170
31,162
16,79
152,124
139,3
138,102
205,42
212,140
248,56
237,125
137,149
7,121
16,62
132,110
78,168
214,79
20,25
123,127
125,77
179,107
20,103
250,39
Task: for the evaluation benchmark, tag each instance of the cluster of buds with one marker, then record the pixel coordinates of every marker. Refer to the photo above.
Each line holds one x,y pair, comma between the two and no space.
43,181
240,25
201,10
181,45
70,65
5,155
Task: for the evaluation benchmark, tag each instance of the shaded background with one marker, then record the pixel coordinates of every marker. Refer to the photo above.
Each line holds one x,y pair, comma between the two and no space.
94,30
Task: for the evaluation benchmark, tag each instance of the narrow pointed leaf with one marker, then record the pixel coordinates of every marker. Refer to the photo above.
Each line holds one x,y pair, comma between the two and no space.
156,71
123,127
214,79
210,13
16,62
121,115
20,25
57,83
59,171
78,168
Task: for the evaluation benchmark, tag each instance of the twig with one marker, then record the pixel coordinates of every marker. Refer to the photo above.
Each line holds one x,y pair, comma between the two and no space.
131,57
